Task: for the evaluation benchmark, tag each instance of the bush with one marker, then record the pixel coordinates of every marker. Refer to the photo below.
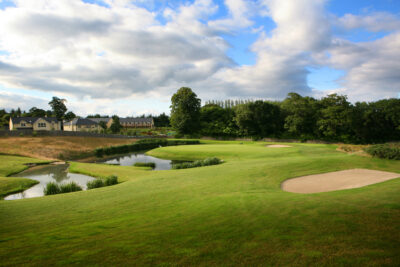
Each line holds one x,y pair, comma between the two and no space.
385,151
70,187
52,189
96,183
145,164
197,163
111,180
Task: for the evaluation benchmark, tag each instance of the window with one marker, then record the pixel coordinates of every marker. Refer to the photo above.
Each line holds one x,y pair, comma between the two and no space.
23,124
42,125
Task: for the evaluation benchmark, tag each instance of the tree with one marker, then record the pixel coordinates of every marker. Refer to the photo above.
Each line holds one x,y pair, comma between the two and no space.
300,115
103,125
259,119
37,112
69,116
59,109
115,125
217,121
185,111
162,120
334,118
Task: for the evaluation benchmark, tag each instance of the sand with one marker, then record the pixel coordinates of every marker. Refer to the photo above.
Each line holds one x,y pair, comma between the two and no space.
278,146
339,180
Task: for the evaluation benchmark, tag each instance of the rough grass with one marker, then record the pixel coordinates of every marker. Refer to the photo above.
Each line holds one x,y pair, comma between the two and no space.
224,215
56,147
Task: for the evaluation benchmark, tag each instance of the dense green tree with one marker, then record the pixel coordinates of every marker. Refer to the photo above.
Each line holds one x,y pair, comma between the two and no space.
258,118
69,116
37,112
377,121
334,118
217,121
115,125
185,111
162,120
58,107
300,115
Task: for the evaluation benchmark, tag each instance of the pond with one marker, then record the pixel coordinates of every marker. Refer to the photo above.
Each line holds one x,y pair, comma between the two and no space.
131,159
45,174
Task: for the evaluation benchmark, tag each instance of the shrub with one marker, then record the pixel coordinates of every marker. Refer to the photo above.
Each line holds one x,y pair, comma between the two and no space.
52,189
197,163
111,180
70,187
96,183
385,151
145,164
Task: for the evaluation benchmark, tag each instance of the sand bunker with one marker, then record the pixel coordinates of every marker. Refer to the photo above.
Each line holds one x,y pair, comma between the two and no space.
337,180
278,146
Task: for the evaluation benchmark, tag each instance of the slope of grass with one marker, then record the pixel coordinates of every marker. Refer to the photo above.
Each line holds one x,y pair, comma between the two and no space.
13,164
222,215
57,147
11,185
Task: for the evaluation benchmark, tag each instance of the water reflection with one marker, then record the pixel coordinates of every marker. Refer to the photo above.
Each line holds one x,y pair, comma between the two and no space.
45,174
131,159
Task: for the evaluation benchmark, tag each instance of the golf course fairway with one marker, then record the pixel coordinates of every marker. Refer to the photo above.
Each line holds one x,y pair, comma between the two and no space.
230,214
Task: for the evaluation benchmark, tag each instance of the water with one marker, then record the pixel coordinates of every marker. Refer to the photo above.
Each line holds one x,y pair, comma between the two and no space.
45,174
131,159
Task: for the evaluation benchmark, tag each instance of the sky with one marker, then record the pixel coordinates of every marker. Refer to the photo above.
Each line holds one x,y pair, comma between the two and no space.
128,57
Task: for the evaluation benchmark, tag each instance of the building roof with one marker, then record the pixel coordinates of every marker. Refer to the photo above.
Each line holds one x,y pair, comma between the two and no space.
33,119
98,120
81,121
133,120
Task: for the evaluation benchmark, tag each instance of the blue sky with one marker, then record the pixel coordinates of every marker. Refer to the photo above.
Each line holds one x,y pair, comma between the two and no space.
129,57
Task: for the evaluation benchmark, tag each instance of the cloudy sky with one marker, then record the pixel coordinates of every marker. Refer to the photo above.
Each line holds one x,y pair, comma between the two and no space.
128,57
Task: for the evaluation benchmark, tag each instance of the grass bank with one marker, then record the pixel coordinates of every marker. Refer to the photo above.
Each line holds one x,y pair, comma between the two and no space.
57,147
223,215
13,164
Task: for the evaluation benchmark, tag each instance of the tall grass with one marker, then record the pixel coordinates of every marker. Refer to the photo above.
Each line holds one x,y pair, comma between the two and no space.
96,183
70,187
110,180
53,188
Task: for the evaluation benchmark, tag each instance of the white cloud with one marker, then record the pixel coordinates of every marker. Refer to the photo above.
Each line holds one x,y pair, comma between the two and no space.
376,22
100,55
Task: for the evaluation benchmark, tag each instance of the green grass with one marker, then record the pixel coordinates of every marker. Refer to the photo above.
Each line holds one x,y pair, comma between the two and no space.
12,185
14,164
223,215
145,164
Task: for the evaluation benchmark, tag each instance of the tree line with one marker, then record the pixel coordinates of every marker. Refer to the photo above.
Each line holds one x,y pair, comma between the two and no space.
331,118
58,110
